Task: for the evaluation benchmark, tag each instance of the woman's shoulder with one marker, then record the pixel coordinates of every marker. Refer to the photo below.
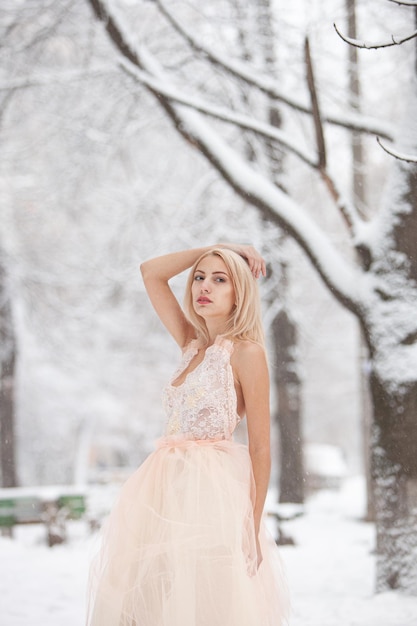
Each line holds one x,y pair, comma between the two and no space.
247,348
247,354
249,364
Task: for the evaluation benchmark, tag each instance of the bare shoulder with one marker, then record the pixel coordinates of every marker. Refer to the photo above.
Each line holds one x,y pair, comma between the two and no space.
247,349
248,359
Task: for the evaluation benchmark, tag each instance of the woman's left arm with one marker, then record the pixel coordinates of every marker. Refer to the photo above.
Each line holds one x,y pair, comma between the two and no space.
253,376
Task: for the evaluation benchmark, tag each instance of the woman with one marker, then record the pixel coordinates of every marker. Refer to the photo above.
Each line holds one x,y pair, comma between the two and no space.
185,544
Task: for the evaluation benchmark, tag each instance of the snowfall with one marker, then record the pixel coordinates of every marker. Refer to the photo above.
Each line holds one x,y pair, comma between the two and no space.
330,570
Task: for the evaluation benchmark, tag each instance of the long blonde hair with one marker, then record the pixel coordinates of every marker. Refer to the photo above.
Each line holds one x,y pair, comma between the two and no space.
245,319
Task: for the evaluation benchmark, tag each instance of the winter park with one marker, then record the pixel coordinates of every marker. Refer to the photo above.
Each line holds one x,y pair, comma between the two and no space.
135,128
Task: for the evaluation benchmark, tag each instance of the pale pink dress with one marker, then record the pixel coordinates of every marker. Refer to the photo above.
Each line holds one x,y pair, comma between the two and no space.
179,548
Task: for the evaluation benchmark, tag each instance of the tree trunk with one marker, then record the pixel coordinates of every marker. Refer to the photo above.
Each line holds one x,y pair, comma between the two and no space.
8,463
395,476
359,198
268,37
392,338
7,366
284,332
287,382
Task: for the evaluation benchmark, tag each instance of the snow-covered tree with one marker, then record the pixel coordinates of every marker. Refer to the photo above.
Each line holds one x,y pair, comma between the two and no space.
375,279
88,188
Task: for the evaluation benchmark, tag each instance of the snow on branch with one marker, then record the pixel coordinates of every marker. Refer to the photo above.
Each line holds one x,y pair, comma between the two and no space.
275,206
220,113
268,86
398,155
360,123
341,276
358,43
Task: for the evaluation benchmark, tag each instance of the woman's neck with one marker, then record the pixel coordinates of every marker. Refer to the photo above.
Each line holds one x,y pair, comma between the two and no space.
214,330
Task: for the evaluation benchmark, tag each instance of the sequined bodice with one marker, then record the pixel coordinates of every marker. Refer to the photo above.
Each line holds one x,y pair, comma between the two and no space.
204,406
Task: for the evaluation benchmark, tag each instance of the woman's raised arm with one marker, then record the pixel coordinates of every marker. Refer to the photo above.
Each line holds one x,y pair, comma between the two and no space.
156,273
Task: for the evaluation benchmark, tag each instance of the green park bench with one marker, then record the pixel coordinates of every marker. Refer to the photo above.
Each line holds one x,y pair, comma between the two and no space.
52,506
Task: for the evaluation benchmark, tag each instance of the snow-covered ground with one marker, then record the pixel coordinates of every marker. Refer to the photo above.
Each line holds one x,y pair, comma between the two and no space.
330,571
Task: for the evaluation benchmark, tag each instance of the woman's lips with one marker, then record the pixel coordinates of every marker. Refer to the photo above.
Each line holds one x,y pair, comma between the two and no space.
203,300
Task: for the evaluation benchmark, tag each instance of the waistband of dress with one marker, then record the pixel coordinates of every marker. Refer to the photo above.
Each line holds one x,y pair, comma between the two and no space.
178,441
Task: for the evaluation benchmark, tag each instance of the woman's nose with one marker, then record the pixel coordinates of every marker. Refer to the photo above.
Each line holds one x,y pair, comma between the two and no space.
204,285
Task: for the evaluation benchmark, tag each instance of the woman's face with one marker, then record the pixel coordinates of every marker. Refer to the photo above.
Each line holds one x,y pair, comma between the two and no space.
212,289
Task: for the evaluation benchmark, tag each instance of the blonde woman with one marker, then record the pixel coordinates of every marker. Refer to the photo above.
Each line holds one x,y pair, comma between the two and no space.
185,544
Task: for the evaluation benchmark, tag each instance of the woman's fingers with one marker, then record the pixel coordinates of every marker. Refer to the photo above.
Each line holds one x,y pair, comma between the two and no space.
256,262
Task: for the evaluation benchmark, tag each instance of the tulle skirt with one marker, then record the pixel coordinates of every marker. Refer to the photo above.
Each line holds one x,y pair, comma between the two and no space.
179,548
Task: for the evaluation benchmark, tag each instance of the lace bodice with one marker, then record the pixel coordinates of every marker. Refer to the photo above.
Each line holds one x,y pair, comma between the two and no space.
204,406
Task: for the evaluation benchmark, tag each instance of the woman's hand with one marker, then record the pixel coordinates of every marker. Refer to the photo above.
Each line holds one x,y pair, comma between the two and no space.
259,557
255,261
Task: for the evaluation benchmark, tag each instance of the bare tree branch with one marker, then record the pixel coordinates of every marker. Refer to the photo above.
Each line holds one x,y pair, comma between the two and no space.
405,3
395,41
26,82
220,113
268,86
398,155
348,211
44,31
321,144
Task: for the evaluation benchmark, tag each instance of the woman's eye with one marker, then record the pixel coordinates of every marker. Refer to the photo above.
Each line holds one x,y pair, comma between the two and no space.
198,278
220,280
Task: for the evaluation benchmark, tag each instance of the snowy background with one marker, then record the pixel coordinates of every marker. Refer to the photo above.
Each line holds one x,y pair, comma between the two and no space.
330,571
93,179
